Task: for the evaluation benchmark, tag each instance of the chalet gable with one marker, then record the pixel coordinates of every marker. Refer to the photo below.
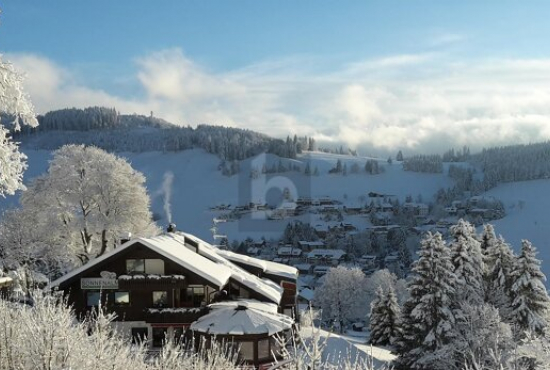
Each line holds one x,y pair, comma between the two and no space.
202,261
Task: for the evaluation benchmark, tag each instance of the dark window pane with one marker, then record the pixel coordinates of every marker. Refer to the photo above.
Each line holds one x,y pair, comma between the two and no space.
159,335
92,298
139,335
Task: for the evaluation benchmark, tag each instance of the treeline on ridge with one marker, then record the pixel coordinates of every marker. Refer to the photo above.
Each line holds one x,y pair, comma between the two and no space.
108,129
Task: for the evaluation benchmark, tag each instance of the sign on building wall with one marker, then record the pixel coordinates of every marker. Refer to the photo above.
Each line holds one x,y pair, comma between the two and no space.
105,282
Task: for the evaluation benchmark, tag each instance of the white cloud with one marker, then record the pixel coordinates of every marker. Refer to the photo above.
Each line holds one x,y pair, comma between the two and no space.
424,102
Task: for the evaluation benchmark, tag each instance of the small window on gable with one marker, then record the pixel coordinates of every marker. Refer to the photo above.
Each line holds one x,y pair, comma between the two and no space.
154,266
135,266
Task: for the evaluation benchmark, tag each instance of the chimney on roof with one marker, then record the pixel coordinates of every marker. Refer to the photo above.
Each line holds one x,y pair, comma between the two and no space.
125,237
171,228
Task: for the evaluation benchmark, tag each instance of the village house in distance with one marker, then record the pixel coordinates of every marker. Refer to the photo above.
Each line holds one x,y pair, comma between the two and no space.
176,286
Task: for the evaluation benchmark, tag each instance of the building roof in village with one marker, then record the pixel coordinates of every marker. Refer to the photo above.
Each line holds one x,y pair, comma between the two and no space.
326,253
210,263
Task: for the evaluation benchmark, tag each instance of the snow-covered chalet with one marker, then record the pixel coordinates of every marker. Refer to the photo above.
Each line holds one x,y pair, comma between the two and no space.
176,285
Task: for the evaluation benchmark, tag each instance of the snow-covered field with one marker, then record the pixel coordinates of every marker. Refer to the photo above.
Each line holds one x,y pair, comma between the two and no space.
527,216
339,346
198,185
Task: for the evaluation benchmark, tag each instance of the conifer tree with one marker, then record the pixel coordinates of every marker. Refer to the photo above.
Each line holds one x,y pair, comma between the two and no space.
385,319
499,264
428,317
468,263
530,298
376,317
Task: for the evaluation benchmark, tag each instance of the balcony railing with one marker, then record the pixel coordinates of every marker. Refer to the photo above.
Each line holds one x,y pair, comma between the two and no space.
174,315
140,280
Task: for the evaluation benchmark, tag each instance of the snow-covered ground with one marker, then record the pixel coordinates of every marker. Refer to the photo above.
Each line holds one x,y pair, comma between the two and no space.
198,185
527,216
339,346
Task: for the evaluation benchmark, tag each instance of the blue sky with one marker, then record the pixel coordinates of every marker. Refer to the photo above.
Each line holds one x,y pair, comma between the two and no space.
379,74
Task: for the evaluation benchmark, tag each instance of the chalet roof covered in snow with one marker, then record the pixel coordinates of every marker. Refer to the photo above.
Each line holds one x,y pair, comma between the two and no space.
208,263
208,251
171,248
272,268
241,320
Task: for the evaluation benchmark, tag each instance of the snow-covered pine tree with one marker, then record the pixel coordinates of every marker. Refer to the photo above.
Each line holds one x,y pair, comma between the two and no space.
530,299
499,264
376,325
488,238
468,263
385,318
427,314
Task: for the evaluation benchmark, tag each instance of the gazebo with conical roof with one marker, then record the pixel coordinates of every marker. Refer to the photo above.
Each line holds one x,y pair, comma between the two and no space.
251,325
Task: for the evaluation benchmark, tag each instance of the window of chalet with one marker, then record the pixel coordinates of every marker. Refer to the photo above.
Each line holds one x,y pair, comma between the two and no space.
263,349
236,290
135,266
160,298
122,298
247,350
159,336
154,266
145,266
195,294
92,298
275,346
139,335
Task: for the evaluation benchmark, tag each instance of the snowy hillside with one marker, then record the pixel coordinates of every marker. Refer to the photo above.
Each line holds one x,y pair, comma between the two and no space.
528,216
198,185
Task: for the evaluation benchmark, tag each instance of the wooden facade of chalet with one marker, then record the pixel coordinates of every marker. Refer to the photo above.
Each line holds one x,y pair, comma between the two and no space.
156,295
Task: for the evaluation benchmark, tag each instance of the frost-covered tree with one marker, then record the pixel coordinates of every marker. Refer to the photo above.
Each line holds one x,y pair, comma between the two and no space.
385,279
342,295
499,264
15,109
28,243
428,317
480,340
468,263
385,318
94,196
530,302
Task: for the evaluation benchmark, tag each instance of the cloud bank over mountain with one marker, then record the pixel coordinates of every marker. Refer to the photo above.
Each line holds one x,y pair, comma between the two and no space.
420,102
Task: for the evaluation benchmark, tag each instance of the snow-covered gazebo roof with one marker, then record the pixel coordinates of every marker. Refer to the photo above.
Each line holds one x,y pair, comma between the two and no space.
240,318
